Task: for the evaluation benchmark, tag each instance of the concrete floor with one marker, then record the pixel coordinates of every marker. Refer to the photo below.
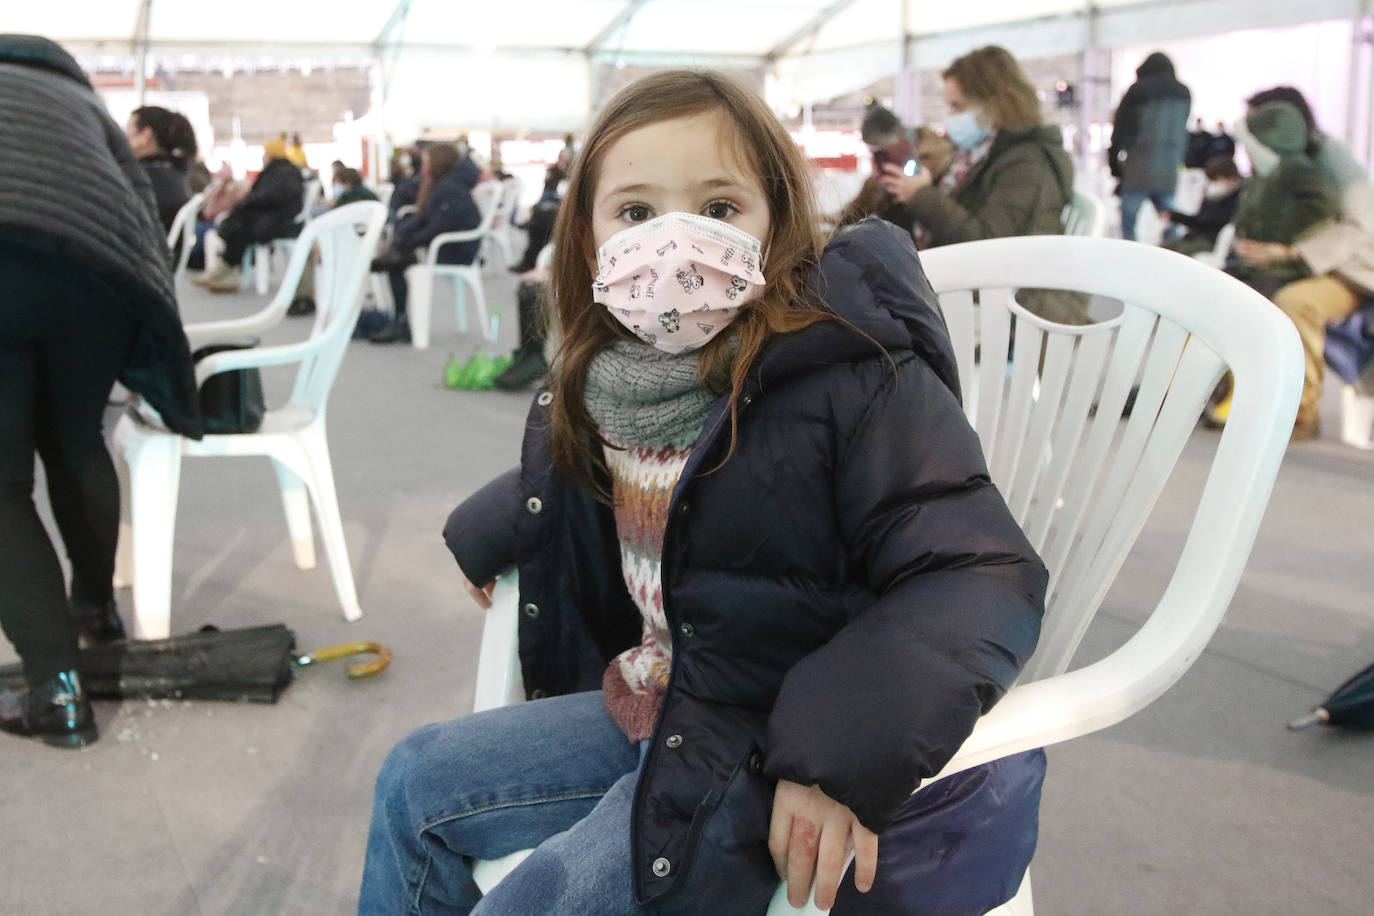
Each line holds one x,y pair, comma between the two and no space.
1202,803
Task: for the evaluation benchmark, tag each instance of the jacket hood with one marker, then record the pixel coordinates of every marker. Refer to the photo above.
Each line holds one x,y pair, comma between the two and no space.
1157,64
871,277
1279,126
1050,139
464,172
37,51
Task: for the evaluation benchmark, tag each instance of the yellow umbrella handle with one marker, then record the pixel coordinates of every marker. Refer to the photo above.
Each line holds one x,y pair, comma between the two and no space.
343,650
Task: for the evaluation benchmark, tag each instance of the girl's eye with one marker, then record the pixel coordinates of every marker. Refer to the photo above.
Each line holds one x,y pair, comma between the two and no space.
720,209
635,213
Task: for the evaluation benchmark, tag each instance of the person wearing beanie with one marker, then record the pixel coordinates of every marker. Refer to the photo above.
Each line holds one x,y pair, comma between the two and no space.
1338,256
1287,197
268,212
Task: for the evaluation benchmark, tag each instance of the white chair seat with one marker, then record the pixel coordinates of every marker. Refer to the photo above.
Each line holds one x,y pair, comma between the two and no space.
421,278
293,435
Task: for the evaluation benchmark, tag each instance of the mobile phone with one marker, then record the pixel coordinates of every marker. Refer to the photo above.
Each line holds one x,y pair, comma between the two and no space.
880,159
911,167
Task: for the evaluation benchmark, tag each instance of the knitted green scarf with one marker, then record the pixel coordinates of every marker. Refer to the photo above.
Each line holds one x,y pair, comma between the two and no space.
641,396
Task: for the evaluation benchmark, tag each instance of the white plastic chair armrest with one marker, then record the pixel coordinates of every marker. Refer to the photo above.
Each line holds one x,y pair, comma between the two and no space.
207,332
253,358
499,678
451,238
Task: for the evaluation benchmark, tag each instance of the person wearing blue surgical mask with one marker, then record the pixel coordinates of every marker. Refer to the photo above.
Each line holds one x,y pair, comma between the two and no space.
1010,174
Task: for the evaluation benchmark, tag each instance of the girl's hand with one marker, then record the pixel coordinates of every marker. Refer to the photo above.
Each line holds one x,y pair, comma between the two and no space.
481,595
812,834
901,185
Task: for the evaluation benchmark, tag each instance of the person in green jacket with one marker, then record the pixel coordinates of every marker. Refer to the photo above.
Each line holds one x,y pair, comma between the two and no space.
1010,174
1288,198
351,189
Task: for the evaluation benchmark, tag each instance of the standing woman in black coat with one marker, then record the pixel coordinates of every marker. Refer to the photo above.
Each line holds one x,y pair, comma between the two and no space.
88,299
766,586
165,145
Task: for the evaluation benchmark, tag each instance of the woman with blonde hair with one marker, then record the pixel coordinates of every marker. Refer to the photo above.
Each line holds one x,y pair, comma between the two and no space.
1010,174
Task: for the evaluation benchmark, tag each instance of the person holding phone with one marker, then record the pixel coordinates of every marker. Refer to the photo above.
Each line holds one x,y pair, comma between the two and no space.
890,142
1010,174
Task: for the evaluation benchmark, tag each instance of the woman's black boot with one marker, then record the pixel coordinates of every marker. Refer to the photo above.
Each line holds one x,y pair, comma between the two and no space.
97,624
396,332
56,710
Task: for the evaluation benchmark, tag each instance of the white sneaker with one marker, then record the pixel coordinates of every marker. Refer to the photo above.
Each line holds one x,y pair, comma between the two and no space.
226,279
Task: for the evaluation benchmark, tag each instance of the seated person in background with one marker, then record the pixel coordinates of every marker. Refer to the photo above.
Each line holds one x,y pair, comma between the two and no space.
890,142
1338,254
1010,176
268,212
407,187
165,146
1287,198
444,204
222,193
1218,208
350,188
539,227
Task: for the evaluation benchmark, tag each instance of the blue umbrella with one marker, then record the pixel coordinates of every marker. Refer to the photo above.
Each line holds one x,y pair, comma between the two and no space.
1351,706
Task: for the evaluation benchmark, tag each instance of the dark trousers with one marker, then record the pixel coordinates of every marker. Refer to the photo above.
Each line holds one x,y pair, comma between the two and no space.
399,290
238,231
63,338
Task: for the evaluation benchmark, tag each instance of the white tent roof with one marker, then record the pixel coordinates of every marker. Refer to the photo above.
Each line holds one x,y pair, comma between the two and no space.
541,54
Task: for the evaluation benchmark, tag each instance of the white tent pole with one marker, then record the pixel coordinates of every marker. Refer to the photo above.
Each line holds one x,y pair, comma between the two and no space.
145,15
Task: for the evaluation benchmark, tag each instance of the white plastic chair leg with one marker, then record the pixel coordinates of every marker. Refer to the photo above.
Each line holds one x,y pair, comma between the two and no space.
154,462
420,284
262,264
1357,418
321,483
459,302
295,499
124,546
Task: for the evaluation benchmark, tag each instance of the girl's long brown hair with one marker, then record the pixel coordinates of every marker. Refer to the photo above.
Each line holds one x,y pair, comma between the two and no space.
442,157
791,250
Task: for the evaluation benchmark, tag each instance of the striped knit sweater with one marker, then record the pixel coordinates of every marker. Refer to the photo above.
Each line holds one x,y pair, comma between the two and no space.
643,479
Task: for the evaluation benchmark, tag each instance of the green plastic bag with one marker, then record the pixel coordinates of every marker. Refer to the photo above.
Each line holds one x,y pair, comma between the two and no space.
477,374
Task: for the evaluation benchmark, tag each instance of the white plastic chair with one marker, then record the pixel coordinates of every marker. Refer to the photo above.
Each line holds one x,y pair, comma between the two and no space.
1084,214
501,228
292,435
184,229
1183,325
1220,249
421,278
257,261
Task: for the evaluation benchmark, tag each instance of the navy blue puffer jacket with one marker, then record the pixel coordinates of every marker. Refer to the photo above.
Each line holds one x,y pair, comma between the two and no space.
847,594
449,208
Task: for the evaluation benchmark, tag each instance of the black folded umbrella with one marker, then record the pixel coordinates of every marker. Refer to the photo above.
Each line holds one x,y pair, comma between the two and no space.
1351,705
254,664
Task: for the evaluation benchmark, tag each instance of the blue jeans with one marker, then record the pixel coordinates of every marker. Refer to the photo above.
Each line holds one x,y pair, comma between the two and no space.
1130,208
558,775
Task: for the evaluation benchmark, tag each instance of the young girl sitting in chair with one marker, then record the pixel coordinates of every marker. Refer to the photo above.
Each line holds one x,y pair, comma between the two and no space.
766,586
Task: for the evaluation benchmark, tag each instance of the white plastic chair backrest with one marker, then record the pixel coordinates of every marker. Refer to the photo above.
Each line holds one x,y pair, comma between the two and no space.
487,195
347,239
1084,215
384,192
310,198
403,211
544,258
1079,481
511,189
184,227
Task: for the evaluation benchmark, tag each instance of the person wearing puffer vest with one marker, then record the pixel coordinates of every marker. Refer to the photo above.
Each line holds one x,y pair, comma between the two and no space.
1149,139
765,582
88,298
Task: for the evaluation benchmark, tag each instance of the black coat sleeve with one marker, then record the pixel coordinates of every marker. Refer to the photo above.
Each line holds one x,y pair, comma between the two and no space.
481,531
277,189
891,697
449,209
1125,125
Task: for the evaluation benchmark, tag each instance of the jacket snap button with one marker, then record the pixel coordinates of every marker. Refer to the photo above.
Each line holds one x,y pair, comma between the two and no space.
538,694
545,399
755,763
534,505
674,741
531,611
682,508
746,400
662,866
687,629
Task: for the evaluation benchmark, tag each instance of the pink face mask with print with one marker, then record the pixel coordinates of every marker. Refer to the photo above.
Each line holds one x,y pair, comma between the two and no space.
677,280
